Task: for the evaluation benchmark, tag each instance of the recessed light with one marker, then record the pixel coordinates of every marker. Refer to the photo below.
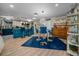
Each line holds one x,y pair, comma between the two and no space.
12,6
56,4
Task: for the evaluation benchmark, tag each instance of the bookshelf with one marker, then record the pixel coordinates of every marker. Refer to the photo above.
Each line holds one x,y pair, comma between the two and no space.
73,35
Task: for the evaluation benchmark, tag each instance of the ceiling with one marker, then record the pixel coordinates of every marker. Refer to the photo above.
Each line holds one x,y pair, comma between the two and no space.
28,9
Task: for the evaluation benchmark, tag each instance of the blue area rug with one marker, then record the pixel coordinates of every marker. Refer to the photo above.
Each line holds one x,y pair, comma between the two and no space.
56,44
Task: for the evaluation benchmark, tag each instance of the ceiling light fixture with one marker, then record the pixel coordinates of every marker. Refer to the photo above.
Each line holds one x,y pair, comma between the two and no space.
42,11
29,20
12,6
35,14
56,4
34,18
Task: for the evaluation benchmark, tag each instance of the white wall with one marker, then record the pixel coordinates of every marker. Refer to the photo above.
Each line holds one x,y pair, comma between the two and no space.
16,23
47,23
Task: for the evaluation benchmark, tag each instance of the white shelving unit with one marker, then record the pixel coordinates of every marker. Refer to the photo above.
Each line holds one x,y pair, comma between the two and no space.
1,44
73,35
